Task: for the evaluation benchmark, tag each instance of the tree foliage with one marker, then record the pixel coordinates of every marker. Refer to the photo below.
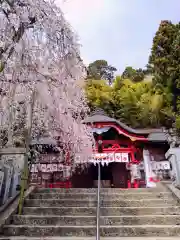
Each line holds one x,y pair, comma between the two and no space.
98,93
162,55
138,99
165,62
136,75
100,69
136,104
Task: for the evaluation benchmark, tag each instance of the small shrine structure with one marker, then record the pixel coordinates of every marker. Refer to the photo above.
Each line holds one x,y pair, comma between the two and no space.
50,168
122,147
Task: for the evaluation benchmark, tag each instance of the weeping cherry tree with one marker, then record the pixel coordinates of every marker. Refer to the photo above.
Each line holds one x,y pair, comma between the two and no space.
40,69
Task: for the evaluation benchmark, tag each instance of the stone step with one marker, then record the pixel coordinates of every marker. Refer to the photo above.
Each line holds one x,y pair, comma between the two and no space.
90,231
105,211
113,196
87,238
93,203
91,220
103,190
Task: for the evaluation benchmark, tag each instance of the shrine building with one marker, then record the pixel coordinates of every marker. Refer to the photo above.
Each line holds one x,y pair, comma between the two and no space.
121,148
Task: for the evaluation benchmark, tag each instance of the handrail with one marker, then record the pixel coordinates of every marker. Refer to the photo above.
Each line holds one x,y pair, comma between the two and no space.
98,204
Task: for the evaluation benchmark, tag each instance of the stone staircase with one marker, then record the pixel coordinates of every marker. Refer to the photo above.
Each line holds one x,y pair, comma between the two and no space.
70,214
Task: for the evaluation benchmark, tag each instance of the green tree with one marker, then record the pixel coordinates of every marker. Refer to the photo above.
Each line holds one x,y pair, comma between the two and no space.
128,73
144,97
136,104
136,75
161,57
100,69
98,94
164,62
118,82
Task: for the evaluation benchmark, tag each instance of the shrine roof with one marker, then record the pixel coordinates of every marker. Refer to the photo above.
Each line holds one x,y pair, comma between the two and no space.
158,137
99,116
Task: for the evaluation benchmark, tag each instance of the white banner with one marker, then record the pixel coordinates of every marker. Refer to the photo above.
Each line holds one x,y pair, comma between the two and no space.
111,157
121,157
48,168
34,168
163,165
100,156
67,171
45,168
60,167
106,158
125,157
117,157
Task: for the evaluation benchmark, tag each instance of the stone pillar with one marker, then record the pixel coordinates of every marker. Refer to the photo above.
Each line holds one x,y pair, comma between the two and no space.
148,169
11,166
173,155
1,178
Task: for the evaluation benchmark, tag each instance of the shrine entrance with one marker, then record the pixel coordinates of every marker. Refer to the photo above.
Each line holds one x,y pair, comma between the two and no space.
106,175
113,175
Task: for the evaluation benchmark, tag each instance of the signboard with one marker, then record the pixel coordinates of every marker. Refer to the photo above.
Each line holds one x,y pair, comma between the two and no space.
121,157
106,158
48,168
67,171
60,167
117,157
34,168
162,165
124,157
110,157
51,158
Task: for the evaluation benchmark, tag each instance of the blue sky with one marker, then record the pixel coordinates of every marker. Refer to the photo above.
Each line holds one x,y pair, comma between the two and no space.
119,31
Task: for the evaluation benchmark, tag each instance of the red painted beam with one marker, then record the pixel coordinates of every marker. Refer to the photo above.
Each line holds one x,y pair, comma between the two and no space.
121,131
